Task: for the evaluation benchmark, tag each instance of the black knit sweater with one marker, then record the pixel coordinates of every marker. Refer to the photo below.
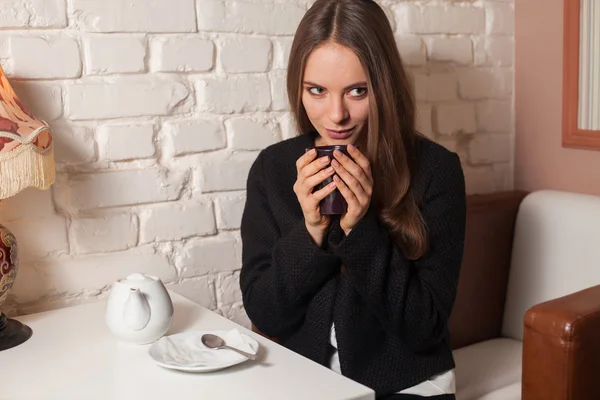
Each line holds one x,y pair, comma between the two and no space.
390,313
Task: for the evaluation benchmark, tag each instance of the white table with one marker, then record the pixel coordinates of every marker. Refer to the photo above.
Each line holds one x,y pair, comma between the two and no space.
72,355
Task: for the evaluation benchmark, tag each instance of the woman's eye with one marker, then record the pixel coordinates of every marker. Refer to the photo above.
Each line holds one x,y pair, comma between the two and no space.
357,92
315,90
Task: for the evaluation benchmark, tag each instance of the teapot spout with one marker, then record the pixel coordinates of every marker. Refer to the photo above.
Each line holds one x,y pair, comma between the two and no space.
136,313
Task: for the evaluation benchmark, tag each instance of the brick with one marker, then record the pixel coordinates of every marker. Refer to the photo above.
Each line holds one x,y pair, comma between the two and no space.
390,16
499,19
245,54
177,221
498,51
40,237
435,86
237,314
33,14
455,118
457,50
199,290
103,234
495,116
112,189
73,144
412,50
245,17
194,136
29,203
229,212
279,92
134,15
424,116
235,94
208,255
246,133
411,18
281,52
124,97
481,180
114,54
45,58
125,142
28,287
490,148
228,288
181,54
288,126
44,100
485,83
225,173
91,273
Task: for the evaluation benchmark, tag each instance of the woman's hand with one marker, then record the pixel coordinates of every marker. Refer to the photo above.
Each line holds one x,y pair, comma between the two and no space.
311,172
356,185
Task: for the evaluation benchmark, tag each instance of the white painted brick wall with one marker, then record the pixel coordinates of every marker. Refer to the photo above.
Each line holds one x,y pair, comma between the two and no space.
33,14
45,57
168,222
182,54
251,134
412,49
43,99
113,54
124,142
209,255
458,50
124,97
234,95
160,107
103,234
73,144
134,15
245,54
195,136
229,212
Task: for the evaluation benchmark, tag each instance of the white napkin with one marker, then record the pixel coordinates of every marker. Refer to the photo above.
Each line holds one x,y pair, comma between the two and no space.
187,350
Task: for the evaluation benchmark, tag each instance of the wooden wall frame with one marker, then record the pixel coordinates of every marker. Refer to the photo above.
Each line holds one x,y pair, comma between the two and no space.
573,136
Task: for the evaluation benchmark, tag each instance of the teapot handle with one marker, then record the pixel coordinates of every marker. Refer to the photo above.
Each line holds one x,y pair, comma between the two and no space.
136,313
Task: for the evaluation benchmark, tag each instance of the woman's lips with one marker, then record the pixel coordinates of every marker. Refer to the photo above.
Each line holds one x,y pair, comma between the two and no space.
340,134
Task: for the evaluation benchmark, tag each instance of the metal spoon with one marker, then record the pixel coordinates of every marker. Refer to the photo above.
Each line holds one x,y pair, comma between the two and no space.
216,342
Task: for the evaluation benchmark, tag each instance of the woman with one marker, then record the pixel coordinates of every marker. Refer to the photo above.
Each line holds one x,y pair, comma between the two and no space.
368,293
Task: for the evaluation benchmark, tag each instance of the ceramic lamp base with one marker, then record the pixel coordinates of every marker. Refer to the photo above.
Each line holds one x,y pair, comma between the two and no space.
12,333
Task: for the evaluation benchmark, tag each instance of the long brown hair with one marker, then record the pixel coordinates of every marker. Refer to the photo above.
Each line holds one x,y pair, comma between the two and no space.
362,26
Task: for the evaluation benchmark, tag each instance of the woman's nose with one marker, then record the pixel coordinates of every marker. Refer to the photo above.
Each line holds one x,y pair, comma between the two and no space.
337,110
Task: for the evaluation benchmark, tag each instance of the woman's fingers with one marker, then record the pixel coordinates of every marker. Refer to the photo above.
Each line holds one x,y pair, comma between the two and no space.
324,192
354,169
318,178
351,182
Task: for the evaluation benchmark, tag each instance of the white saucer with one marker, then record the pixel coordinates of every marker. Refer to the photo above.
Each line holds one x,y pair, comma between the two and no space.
185,351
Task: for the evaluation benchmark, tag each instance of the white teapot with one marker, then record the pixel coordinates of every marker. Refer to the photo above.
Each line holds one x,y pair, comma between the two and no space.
139,309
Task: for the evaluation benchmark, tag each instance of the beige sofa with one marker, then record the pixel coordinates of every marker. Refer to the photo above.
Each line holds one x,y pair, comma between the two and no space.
511,342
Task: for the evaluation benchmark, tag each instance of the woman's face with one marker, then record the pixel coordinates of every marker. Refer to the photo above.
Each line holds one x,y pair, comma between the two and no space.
334,94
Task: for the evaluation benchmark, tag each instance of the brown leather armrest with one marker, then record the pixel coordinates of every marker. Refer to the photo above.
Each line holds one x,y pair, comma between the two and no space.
561,348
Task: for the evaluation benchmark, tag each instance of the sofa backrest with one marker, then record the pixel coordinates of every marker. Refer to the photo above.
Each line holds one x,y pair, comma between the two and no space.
556,251
479,306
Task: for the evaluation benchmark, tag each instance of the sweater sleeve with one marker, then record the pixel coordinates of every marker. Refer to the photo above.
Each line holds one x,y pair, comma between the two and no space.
412,299
280,272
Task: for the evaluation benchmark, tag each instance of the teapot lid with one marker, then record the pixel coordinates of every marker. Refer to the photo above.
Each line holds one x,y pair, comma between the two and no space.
138,278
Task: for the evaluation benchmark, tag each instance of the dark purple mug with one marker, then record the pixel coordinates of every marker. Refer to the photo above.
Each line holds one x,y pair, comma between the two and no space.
334,203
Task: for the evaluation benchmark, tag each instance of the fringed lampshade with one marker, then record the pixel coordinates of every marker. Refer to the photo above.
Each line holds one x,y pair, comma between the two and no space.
26,155
26,159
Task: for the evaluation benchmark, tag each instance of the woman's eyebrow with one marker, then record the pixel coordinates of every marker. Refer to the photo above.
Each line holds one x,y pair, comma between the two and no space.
308,83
